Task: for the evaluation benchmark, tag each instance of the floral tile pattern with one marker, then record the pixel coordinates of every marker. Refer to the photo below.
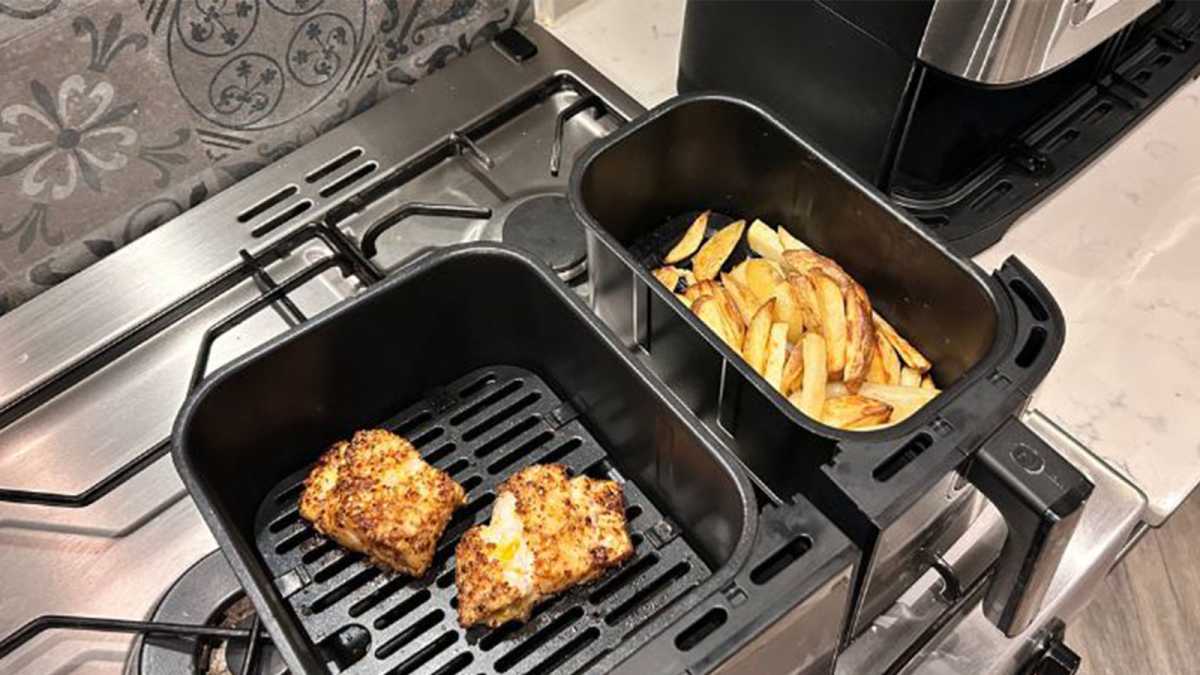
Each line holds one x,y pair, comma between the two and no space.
89,125
117,115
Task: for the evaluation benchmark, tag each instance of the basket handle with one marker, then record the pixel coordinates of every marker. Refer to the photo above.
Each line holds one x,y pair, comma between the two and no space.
1041,496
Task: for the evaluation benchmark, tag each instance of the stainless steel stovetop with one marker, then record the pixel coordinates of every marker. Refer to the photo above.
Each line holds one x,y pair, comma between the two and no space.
94,520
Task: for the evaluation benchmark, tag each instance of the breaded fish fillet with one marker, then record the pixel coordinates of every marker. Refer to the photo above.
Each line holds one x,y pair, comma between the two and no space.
375,495
547,533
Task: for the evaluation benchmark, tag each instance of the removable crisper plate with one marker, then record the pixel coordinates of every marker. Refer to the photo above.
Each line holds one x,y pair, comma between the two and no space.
729,566
481,428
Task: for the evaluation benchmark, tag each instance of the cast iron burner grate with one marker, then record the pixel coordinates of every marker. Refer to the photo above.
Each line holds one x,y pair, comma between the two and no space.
480,429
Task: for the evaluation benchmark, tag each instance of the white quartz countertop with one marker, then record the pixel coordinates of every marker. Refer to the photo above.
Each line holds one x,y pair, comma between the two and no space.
1118,246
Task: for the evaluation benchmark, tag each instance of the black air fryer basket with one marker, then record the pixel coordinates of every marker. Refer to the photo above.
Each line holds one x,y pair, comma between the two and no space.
489,364
992,338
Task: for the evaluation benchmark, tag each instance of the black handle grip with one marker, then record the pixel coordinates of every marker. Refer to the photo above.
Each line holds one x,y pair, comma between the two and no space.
1041,496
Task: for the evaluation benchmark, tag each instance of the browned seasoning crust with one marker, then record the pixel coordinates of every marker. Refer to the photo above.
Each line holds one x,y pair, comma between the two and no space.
375,495
574,528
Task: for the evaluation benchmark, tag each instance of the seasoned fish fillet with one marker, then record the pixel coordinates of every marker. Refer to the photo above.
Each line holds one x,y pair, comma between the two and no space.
547,533
375,495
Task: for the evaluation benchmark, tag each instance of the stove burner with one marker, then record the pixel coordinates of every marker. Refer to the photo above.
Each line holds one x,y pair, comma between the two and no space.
208,589
545,226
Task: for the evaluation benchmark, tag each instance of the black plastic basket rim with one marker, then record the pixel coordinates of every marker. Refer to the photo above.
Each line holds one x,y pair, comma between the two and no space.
260,588
1002,343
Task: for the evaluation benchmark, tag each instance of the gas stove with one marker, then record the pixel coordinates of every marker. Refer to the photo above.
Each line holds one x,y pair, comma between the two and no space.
108,566
94,521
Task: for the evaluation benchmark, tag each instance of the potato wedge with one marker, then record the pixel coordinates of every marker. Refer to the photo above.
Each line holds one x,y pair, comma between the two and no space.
908,353
811,398
897,396
849,412
833,322
668,276
762,278
804,262
764,241
690,243
712,254
742,299
789,242
754,347
904,400
706,307
860,337
891,361
793,369
809,305
739,272
909,377
729,312
875,371
776,355
788,310
927,382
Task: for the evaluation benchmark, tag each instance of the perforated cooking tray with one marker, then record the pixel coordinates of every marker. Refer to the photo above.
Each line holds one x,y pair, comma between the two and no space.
992,338
494,365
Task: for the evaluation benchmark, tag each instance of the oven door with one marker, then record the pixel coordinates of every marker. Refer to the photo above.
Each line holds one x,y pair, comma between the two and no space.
938,626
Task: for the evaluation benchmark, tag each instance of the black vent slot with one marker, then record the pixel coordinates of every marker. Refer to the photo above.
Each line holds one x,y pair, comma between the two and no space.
281,219
412,623
348,180
902,457
333,165
702,628
779,560
1032,347
409,634
1027,296
539,638
1062,140
484,403
262,207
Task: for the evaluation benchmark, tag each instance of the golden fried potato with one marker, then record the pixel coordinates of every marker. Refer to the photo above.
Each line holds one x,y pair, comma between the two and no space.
804,262
706,307
789,242
908,353
762,278
833,320
889,359
764,241
776,355
807,301
690,242
909,377
811,397
742,299
860,337
849,412
793,369
754,348
788,309
716,250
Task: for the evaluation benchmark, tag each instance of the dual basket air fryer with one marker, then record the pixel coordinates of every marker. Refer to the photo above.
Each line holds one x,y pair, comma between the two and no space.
755,527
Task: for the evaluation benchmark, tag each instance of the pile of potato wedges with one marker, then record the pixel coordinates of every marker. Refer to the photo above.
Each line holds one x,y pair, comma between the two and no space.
801,322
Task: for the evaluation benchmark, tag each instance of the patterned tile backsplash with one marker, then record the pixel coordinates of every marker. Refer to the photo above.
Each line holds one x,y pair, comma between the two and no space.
116,115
